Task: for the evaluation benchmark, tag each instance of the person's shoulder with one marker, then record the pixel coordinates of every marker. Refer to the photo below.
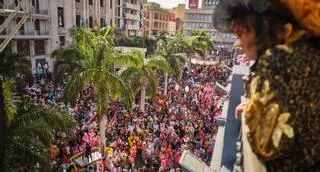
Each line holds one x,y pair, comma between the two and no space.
284,58
300,50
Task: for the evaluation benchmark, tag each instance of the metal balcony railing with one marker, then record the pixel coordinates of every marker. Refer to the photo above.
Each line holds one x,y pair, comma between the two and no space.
38,11
13,13
132,16
24,7
39,52
133,27
35,33
133,6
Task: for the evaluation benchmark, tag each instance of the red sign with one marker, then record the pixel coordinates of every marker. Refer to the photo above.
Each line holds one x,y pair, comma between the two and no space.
193,4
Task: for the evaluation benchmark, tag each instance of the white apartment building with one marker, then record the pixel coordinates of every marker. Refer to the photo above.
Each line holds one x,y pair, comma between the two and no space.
128,17
29,29
202,18
35,28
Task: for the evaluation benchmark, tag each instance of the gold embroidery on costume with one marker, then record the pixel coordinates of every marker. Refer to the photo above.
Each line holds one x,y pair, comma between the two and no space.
266,123
282,128
307,12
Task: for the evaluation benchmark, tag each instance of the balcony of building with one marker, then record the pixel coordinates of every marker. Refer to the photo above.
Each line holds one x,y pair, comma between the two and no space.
232,150
132,16
133,27
40,13
133,6
36,34
36,10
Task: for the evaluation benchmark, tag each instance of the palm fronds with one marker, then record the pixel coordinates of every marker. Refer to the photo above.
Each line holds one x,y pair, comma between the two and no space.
30,135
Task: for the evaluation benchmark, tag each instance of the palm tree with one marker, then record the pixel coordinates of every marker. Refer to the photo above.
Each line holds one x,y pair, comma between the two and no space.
200,42
16,66
12,64
97,61
28,131
144,75
67,59
169,51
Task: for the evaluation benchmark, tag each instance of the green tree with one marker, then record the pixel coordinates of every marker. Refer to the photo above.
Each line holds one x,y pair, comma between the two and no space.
169,50
29,131
199,42
97,62
12,64
144,75
67,59
16,66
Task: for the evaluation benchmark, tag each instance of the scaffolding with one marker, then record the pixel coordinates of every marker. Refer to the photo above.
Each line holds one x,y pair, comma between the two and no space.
13,8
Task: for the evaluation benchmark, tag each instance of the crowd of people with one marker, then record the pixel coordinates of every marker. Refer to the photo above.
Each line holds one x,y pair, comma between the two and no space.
152,140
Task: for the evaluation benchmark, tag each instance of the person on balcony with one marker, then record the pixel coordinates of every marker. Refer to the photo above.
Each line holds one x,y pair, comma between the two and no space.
283,106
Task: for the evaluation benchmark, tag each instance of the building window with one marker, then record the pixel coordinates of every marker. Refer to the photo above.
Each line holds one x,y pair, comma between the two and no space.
90,2
21,29
60,17
37,27
23,47
110,22
111,1
62,40
91,22
156,16
102,23
2,19
78,18
101,3
77,0
39,48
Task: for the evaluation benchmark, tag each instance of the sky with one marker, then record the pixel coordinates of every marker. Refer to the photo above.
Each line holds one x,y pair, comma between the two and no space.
168,3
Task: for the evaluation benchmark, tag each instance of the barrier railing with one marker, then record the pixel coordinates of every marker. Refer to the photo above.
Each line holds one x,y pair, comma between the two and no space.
250,161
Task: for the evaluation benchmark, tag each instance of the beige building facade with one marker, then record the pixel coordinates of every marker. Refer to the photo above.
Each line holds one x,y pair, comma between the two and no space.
172,24
156,19
179,13
128,17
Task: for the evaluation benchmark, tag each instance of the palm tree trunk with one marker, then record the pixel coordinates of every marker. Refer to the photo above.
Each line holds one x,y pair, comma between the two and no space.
189,63
166,84
143,98
2,127
102,126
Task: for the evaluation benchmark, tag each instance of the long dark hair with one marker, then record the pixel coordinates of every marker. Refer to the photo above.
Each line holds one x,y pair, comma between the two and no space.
266,18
